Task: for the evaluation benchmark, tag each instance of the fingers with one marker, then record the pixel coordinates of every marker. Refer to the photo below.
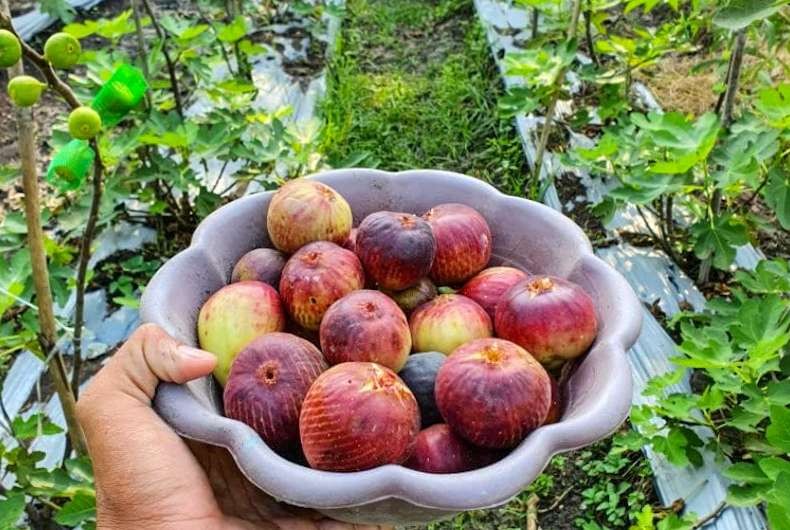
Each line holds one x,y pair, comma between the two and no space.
149,356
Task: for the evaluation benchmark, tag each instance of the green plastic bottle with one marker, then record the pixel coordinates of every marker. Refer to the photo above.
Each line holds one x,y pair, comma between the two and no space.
122,92
70,165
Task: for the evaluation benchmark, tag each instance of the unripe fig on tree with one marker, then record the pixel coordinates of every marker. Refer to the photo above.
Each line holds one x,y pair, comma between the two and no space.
25,90
62,50
84,123
234,316
304,211
10,49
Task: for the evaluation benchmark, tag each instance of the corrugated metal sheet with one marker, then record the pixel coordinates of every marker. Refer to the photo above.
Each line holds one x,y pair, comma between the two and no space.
652,275
30,23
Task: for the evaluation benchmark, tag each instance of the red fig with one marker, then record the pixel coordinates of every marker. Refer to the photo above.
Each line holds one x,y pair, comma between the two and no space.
446,322
267,384
440,450
358,416
351,242
235,315
493,393
487,287
303,211
366,326
260,264
552,318
315,277
396,249
463,242
555,410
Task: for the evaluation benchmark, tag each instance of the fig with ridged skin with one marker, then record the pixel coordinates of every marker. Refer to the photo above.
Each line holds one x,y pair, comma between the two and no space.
260,264
84,123
552,318
316,276
366,326
10,49
303,211
440,450
446,322
493,393
267,384
24,90
358,416
463,242
489,285
413,297
234,316
419,374
396,249
62,50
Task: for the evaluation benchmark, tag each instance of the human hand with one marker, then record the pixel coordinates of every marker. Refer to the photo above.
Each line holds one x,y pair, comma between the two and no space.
146,475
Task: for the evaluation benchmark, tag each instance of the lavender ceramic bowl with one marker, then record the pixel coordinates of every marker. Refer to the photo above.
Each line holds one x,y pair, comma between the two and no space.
526,234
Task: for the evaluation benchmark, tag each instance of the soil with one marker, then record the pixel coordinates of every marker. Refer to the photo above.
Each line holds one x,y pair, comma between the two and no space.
570,190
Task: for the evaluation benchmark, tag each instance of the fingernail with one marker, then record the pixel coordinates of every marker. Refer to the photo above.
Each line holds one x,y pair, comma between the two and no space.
195,353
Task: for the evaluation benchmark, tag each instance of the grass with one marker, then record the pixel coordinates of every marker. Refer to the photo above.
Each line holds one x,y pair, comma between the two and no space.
412,85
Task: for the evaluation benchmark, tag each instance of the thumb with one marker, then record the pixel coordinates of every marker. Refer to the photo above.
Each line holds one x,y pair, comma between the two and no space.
148,357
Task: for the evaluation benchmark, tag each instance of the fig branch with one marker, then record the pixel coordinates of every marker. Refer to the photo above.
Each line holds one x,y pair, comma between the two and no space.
171,68
82,267
552,107
733,79
46,315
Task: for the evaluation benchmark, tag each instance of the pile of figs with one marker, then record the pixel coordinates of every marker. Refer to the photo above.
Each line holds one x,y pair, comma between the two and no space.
390,343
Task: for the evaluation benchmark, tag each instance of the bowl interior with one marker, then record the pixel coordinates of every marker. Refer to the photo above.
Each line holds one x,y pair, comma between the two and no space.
527,235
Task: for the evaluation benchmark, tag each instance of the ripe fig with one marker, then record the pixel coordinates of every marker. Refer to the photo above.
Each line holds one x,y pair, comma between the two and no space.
235,315
440,450
366,326
358,416
413,297
84,123
260,264
493,393
315,277
351,242
304,211
463,242
446,322
419,374
24,90
555,409
267,384
552,318
396,249
488,286
62,50
10,49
